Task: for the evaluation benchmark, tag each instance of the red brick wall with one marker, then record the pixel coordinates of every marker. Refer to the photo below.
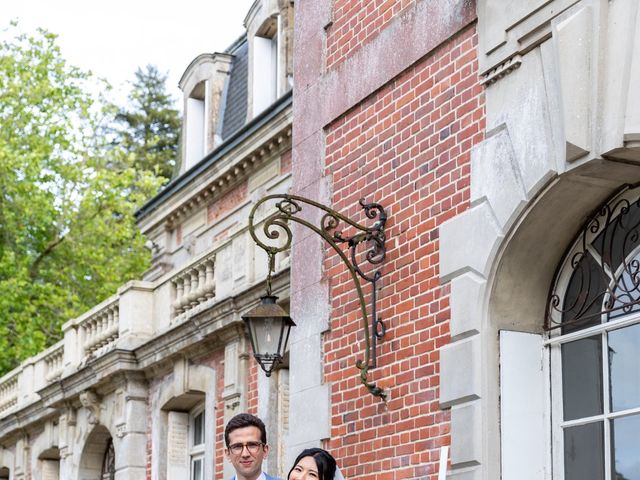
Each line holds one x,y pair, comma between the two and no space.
356,22
228,202
407,146
252,385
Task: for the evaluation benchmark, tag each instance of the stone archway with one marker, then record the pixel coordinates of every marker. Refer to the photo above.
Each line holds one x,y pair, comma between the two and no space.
97,453
541,170
4,473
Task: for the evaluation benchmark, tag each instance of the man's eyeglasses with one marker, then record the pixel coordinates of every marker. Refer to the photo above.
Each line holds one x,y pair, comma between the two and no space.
252,447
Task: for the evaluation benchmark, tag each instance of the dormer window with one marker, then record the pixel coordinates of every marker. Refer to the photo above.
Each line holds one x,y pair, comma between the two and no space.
196,125
203,84
266,65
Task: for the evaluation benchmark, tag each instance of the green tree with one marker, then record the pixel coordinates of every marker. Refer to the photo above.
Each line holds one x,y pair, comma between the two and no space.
67,233
149,128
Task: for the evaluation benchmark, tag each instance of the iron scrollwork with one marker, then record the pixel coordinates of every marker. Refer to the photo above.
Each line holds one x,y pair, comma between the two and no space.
287,209
604,267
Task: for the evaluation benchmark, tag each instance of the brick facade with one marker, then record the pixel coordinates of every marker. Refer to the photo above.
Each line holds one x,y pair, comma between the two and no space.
408,148
356,22
406,144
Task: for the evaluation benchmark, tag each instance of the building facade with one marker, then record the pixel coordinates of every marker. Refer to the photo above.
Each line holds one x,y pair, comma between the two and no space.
142,384
502,140
499,137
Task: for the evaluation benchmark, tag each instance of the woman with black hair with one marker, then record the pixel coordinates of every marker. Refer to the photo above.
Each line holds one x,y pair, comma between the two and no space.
315,464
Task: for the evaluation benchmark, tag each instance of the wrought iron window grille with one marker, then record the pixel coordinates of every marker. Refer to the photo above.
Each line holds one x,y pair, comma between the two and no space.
600,277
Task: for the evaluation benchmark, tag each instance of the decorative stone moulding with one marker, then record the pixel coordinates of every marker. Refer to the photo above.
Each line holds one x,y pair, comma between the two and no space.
221,183
507,33
501,70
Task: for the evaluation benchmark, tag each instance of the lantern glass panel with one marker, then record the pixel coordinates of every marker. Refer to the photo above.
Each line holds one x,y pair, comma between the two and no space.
266,334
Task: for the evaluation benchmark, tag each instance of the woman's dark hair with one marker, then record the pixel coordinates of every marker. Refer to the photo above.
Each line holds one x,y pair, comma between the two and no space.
324,461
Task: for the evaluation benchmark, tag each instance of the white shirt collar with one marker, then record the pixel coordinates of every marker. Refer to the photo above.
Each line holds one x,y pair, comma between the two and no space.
262,476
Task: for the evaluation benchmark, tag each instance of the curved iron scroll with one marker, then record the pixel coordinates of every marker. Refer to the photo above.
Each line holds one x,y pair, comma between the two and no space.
287,209
604,275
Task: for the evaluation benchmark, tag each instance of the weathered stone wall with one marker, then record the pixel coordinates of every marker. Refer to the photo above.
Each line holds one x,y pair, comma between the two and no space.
559,78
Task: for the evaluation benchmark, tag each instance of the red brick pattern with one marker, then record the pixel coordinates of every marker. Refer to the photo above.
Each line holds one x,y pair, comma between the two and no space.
355,23
227,203
252,387
285,162
407,146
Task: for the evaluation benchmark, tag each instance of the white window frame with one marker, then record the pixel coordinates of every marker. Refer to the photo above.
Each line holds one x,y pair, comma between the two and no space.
266,69
197,124
554,341
197,452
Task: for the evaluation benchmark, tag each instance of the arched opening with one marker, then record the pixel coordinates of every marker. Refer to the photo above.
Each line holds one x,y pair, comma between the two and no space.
4,473
516,385
98,456
593,321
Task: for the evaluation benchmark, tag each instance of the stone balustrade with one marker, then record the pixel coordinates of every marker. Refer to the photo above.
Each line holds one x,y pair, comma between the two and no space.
139,311
194,285
54,363
9,391
99,331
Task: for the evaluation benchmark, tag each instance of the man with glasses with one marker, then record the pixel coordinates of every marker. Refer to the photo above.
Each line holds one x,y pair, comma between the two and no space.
246,440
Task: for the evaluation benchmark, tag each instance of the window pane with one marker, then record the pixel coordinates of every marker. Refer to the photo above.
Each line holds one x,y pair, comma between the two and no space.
626,448
198,429
584,452
196,469
582,378
624,365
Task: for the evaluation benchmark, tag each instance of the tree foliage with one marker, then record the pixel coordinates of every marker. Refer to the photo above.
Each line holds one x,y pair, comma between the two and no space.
67,233
149,128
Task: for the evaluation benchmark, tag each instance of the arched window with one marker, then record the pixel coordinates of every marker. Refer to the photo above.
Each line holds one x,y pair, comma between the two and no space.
593,320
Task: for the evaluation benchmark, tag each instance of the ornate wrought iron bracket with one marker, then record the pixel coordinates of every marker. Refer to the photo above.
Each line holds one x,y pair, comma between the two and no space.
373,238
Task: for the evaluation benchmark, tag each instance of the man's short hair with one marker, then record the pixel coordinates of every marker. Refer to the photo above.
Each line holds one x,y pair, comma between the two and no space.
243,420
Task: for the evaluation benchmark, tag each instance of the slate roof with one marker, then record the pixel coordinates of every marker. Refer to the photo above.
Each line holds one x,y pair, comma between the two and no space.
234,108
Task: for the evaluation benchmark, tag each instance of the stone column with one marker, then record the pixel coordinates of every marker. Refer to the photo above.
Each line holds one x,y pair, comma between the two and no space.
130,443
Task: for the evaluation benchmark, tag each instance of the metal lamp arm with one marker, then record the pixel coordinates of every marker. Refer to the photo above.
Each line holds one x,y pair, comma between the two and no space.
288,207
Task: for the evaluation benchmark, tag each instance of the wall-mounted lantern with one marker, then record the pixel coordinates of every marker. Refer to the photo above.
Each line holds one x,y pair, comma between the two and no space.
269,324
269,327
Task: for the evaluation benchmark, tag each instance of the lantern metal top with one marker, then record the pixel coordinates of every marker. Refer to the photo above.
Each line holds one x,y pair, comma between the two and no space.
268,308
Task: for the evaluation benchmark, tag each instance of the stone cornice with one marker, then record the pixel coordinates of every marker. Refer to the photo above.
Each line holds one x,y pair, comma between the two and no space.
199,334
255,143
231,176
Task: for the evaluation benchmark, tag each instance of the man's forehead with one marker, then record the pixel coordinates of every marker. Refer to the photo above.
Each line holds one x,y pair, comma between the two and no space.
245,434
